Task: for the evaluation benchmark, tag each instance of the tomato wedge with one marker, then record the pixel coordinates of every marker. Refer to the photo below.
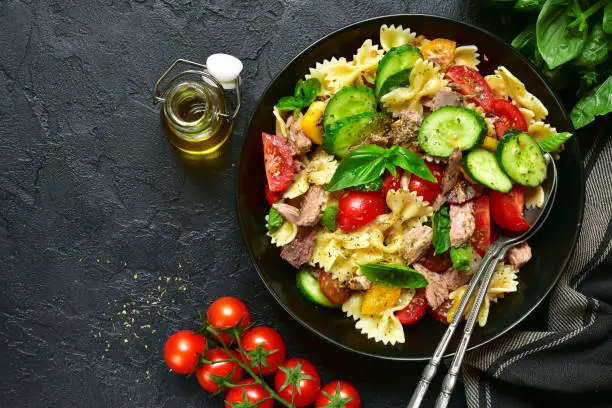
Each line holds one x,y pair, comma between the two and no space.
390,182
436,263
470,83
278,160
508,116
416,309
440,51
441,312
273,196
424,188
482,233
507,209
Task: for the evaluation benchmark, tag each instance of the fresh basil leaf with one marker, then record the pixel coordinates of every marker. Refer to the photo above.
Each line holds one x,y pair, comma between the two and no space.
598,102
607,19
373,185
329,219
554,142
462,257
290,103
526,40
360,166
275,220
528,5
411,162
557,42
596,48
441,230
309,89
393,276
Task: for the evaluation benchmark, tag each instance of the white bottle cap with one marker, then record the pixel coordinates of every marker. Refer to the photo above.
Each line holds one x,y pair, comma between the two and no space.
225,68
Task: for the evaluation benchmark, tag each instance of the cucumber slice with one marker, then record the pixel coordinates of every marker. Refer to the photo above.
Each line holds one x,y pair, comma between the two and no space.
349,101
398,60
482,166
521,158
309,286
451,127
348,132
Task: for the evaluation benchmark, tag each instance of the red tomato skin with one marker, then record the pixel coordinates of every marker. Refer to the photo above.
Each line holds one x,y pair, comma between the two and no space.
358,208
254,392
507,210
436,263
333,289
428,190
270,340
221,369
469,82
481,239
182,351
273,196
390,182
441,313
509,116
227,312
347,390
310,388
415,310
278,160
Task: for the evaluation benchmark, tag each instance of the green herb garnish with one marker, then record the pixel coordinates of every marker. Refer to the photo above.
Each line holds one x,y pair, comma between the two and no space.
393,276
304,94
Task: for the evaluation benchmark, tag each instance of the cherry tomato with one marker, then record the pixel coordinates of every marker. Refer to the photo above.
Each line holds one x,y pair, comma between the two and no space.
227,312
254,393
424,188
441,51
416,309
469,82
305,374
221,369
507,209
273,196
441,312
482,233
509,116
333,289
390,182
338,394
278,160
264,344
182,351
436,263
358,208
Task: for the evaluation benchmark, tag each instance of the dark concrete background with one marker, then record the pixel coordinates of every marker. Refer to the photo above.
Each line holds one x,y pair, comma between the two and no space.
108,243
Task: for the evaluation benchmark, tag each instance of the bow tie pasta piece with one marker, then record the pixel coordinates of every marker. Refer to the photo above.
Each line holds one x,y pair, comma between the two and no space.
367,58
284,235
407,206
467,55
334,74
498,86
392,36
281,125
540,130
534,197
528,115
518,93
322,167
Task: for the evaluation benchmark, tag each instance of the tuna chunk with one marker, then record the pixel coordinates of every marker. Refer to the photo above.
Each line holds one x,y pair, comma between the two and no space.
441,284
359,282
450,178
402,132
299,251
464,191
443,98
462,223
311,210
519,255
416,242
298,141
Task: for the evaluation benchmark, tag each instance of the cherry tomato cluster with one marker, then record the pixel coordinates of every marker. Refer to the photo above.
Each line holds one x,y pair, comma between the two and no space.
251,352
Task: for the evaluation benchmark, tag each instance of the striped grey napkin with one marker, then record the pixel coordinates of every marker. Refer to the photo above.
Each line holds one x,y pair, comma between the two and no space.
569,362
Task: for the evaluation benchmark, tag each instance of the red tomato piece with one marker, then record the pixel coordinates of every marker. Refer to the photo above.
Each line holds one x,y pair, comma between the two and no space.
333,289
273,196
278,160
338,394
218,367
264,344
227,312
254,393
470,83
305,376
424,188
436,263
509,116
441,312
507,209
390,182
182,351
482,233
358,208
416,309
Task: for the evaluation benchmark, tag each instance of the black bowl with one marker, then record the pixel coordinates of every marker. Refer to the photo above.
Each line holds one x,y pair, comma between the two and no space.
551,247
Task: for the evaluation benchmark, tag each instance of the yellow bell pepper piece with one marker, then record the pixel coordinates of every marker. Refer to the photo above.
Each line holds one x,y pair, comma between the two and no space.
490,143
311,122
379,298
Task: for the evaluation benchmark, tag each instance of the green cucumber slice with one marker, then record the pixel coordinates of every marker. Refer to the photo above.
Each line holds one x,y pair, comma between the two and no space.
482,166
395,67
451,127
309,286
349,132
349,101
521,158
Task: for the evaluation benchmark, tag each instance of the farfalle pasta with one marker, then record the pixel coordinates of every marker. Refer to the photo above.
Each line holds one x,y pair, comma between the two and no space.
467,55
392,36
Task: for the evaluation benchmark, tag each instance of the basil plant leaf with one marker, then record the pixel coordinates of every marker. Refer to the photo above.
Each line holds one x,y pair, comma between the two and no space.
525,40
554,142
528,5
411,162
462,257
557,42
441,230
607,19
329,219
393,276
597,102
595,49
360,166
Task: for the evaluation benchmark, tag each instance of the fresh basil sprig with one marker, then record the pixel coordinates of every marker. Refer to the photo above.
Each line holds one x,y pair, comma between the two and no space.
554,142
304,94
367,163
462,257
275,220
596,103
393,276
329,219
440,224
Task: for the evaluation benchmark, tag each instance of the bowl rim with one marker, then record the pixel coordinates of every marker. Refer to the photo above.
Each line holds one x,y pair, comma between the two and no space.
548,88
